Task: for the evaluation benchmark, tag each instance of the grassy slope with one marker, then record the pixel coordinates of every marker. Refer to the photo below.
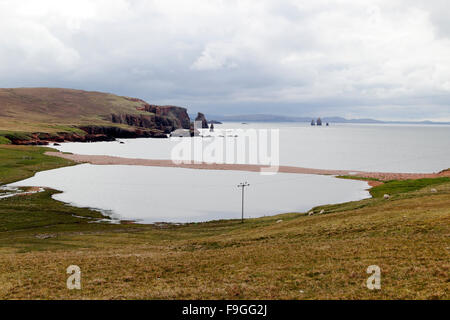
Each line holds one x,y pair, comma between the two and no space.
320,256
54,110
392,187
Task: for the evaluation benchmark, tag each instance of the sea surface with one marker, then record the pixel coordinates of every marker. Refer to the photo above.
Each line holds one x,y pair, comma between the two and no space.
365,147
158,194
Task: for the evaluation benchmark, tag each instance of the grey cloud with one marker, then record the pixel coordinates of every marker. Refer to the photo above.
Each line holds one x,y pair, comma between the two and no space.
382,59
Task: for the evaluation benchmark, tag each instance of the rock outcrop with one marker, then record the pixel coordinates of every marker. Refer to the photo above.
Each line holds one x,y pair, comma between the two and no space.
201,118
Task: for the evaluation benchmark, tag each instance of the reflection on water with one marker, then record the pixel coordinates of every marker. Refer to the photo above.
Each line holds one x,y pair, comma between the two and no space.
155,194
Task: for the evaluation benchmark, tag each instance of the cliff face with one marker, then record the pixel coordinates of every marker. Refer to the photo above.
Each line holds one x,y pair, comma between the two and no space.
164,118
153,121
178,114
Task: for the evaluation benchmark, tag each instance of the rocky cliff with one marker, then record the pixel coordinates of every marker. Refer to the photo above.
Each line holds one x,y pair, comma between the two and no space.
178,114
164,118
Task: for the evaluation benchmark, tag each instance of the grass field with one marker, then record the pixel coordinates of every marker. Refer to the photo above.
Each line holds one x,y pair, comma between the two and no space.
323,256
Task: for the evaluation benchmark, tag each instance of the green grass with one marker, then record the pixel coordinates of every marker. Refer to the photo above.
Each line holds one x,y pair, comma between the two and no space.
402,186
4,140
21,162
394,187
40,210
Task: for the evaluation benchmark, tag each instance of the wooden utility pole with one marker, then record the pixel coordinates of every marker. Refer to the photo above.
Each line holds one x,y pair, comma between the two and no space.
243,185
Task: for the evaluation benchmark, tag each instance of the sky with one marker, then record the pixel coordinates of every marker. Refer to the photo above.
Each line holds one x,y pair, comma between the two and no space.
383,59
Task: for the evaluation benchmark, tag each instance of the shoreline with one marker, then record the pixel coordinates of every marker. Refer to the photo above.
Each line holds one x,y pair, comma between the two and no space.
112,160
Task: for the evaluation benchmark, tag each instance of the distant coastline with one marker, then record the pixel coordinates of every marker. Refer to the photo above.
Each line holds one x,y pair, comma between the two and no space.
281,118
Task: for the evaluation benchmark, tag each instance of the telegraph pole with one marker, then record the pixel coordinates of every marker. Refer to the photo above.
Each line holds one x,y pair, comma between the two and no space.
243,185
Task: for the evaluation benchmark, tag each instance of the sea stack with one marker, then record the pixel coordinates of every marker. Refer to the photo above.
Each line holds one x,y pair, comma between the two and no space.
201,117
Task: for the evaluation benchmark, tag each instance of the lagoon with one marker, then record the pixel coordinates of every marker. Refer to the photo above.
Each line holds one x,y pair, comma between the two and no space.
155,194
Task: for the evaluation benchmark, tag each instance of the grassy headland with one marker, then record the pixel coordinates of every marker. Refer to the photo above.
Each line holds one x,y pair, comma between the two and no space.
54,110
39,115
302,257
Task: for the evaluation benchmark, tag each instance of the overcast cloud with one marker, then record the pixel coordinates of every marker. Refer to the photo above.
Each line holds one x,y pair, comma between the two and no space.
386,59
